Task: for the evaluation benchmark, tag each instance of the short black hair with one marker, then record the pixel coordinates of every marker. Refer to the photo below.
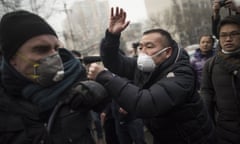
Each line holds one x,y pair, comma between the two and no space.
207,35
232,19
169,42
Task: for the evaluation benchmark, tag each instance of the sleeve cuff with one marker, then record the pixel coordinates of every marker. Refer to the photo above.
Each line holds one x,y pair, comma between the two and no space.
104,76
112,37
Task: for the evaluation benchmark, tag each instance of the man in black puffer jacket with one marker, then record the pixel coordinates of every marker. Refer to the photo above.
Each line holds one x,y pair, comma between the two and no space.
160,85
45,98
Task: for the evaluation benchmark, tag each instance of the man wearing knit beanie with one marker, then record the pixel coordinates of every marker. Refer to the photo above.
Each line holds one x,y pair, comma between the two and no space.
18,27
44,95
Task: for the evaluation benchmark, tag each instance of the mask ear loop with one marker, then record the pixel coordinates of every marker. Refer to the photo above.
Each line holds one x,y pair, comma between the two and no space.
160,52
35,65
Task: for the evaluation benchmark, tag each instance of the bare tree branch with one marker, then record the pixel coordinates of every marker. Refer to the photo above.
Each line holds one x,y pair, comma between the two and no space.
10,5
186,19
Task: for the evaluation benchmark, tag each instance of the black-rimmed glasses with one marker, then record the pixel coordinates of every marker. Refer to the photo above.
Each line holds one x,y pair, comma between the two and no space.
232,34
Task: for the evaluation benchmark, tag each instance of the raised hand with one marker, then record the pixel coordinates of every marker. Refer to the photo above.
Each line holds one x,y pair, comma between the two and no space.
117,21
216,6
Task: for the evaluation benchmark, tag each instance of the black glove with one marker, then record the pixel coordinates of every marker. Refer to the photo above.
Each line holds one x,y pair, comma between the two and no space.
87,94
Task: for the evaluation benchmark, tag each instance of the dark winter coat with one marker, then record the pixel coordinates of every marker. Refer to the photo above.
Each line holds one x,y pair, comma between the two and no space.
23,121
215,23
166,99
221,91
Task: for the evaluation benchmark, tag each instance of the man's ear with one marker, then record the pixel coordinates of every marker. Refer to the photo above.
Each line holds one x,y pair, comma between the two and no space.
169,52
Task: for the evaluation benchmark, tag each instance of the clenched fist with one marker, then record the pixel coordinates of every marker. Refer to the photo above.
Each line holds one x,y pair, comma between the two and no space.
93,70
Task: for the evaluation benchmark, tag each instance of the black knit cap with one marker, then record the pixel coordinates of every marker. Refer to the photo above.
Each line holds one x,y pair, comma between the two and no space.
19,26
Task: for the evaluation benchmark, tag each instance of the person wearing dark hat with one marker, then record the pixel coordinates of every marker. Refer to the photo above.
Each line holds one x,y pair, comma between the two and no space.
45,97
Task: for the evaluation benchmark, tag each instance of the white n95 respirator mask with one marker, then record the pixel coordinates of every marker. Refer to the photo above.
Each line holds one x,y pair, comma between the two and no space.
146,63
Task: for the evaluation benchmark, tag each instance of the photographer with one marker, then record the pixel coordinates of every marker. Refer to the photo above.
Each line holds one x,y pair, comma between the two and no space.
217,5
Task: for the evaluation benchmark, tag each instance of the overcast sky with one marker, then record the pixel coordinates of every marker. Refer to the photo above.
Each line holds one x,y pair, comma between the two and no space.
135,8
135,11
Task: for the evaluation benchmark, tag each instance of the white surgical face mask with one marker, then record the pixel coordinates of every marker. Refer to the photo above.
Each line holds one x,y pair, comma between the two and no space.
146,63
232,52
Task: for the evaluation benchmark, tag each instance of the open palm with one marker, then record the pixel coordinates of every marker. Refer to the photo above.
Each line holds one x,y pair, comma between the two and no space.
117,21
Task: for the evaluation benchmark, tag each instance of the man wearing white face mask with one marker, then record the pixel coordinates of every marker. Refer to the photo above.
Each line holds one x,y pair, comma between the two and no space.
160,86
146,63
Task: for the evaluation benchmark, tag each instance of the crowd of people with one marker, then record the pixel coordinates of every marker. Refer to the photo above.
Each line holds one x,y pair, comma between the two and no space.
49,96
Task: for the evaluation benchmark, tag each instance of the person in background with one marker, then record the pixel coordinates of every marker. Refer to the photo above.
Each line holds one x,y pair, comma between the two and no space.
230,5
135,50
159,86
97,127
201,55
45,97
109,126
220,86
129,129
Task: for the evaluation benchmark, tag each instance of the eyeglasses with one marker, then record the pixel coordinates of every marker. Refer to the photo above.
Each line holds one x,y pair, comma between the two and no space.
232,34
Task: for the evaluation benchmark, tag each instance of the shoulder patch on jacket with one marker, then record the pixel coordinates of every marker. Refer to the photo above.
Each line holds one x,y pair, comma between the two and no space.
170,74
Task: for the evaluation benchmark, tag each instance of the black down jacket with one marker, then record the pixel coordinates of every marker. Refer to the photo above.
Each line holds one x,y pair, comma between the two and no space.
21,122
166,99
